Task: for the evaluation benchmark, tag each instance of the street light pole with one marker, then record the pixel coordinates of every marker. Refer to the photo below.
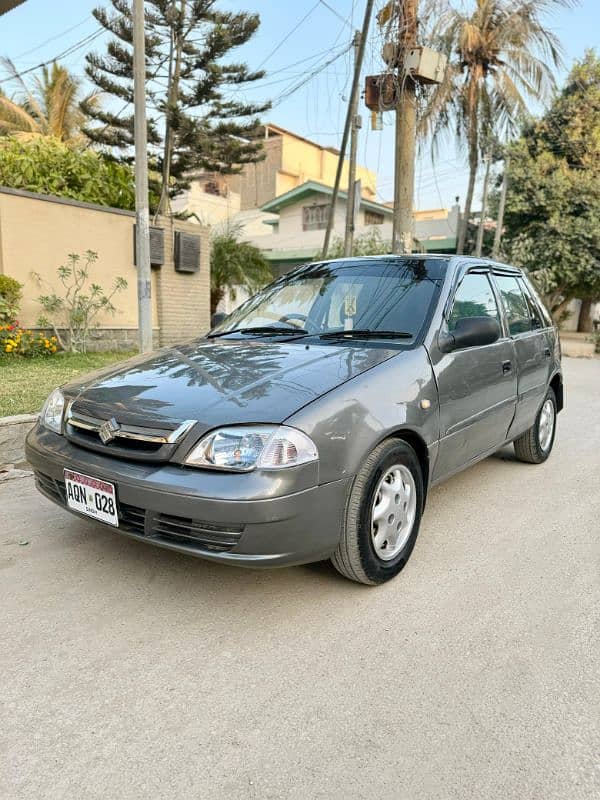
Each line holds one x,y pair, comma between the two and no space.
484,198
142,213
354,128
501,209
340,165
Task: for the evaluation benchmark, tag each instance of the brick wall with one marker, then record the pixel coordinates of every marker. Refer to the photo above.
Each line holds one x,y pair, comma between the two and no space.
183,299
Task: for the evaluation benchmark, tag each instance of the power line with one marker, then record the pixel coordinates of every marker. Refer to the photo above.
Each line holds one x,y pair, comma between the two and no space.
52,39
288,35
337,13
288,92
72,49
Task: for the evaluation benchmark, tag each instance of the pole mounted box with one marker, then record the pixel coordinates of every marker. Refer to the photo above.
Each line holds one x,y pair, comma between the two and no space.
381,92
425,65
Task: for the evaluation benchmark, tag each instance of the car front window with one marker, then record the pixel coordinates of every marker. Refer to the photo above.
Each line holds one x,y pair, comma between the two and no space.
387,295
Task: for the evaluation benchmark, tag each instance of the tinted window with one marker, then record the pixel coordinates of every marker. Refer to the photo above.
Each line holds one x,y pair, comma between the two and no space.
474,298
532,307
515,305
394,294
541,308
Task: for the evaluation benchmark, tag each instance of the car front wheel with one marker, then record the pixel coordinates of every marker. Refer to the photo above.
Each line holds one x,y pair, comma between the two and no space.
383,515
535,445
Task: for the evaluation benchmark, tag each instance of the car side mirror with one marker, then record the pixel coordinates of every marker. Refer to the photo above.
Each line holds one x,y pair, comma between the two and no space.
470,332
217,318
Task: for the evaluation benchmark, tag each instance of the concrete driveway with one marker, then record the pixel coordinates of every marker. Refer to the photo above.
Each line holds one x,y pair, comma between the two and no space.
131,672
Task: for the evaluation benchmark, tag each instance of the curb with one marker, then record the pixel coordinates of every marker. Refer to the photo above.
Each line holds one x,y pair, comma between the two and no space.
13,431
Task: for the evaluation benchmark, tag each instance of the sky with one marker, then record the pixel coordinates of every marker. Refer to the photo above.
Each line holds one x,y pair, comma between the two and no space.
311,32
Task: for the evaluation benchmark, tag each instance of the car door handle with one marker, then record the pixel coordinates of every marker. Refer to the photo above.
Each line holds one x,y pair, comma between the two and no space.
506,367
547,352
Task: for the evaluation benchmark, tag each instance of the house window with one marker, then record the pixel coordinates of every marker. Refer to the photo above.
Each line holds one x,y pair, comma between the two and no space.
314,218
213,187
373,218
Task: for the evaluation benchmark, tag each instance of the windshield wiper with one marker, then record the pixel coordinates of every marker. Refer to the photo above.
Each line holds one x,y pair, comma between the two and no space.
261,330
366,333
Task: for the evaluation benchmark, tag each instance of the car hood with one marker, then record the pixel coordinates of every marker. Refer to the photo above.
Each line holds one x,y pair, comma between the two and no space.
221,382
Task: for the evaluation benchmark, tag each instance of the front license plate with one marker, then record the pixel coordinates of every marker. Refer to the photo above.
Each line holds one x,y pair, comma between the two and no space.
92,497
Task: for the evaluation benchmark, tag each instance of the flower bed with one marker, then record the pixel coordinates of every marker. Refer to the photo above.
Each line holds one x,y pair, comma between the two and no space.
17,341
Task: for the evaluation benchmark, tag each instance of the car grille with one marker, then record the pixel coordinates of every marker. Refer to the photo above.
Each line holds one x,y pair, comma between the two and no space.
168,528
123,440
55,490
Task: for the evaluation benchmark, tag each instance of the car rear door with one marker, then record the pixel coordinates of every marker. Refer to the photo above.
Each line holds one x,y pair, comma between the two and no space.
477,386
533,354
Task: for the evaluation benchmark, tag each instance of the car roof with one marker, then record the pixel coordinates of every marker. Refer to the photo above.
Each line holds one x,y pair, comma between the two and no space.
460,261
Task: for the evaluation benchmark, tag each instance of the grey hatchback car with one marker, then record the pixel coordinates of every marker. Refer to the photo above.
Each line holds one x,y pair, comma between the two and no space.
312,421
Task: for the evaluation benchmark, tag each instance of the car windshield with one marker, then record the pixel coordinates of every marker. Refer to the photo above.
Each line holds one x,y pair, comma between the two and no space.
391,296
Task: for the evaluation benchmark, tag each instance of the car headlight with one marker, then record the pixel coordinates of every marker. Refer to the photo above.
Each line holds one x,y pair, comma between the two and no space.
243,448
52,413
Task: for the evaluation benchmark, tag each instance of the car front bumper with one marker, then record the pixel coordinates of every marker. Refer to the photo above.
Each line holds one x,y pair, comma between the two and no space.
197,512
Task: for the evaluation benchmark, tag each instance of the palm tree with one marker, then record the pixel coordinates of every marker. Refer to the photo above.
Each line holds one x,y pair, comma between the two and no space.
235,264
50,108
500,56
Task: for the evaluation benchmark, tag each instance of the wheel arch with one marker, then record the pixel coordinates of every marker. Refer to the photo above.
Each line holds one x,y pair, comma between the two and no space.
416,441
557,385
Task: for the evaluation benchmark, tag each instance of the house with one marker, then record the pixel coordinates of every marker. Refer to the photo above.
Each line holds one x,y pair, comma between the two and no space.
294,225
290,161
209,200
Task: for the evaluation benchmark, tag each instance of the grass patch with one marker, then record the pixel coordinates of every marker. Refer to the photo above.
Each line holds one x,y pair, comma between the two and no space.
25,383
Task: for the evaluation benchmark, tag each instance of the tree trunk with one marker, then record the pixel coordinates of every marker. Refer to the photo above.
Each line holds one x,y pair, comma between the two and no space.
164,205
473,164
559,310
216,295
585,324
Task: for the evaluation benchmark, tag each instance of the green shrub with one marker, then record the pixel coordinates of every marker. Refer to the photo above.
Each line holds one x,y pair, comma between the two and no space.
10,298
15,341
76,310
48,166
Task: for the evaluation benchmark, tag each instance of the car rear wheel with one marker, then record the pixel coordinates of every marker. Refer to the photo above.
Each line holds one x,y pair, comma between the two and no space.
382,516
535,445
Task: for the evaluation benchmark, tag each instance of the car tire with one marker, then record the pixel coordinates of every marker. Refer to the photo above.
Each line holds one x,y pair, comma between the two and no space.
388,488
535,445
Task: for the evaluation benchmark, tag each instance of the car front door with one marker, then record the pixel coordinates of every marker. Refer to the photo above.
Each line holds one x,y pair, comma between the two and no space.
477,386
533,352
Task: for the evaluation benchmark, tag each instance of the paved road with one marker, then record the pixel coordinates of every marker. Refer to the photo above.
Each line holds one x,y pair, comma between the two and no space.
131,672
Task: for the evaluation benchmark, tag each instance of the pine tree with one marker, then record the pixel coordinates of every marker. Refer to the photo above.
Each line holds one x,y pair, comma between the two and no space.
193,121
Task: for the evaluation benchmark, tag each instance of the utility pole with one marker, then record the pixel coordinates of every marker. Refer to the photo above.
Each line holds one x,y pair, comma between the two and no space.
406,133
355,127
501,207
355,80
486,184
142,214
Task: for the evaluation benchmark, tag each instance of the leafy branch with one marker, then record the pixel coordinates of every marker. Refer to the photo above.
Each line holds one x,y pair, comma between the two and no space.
76,309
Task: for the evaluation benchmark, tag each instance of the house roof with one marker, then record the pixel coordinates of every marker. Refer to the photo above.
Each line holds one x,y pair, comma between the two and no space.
6,5
277,129
314,187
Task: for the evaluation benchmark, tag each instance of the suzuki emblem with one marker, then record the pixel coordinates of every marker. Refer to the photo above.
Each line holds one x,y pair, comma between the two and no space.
109,430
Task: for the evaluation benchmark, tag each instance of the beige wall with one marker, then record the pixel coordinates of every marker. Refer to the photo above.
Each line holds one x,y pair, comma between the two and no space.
183,298
37,235
290,161
303,161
